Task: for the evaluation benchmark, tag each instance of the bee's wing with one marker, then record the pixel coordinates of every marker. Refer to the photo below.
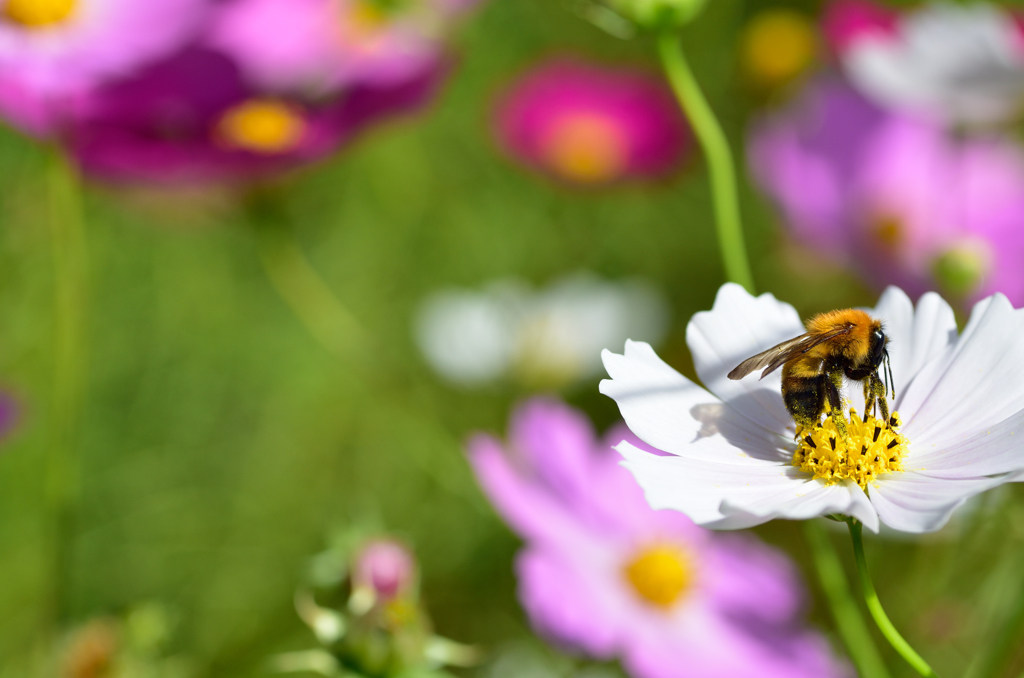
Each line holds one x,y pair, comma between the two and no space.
776,356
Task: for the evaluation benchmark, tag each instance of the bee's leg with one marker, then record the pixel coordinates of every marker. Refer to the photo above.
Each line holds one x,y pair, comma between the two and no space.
879,392
835,401
869,397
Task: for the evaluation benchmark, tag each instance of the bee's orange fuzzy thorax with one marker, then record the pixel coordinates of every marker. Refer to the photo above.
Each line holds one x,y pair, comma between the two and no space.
857,341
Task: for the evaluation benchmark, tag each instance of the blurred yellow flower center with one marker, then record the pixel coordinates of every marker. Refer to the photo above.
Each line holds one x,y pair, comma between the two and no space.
777,46
586,147
363,23
262,126
39,13
660,575
872,448
888,231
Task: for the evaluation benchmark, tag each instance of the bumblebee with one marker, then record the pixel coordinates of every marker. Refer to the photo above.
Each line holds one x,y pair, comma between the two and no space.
841,343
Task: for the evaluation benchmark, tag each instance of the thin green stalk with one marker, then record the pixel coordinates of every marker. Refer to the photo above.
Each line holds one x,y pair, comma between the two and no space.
719,158
70,283
300,286
849,620
875,606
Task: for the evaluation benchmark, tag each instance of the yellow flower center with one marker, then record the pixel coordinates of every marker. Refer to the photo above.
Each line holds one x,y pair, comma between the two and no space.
660,575
872,448
262,126
586,147
777,46
888,231
39,13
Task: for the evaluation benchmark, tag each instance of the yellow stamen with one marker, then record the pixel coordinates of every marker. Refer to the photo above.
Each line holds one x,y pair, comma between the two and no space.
777,45
586,147
660,575
262,126
39,13
872,448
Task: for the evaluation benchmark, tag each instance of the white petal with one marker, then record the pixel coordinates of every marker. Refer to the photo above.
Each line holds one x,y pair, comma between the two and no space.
668,411
915,337
731,496
972,386
911,502
995,450
737,327
804,500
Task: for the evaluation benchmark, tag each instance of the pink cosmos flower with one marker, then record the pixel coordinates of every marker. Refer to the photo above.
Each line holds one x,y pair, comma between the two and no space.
895,196
604,573
52,51
193,118
955,63
323,45
588,124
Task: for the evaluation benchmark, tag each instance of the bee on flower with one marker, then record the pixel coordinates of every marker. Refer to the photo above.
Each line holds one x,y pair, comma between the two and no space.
732,455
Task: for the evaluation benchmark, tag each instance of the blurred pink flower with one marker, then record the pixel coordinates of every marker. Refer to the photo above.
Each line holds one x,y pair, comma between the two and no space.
386,567
894,196
588,124
322,45
604,573
193,119
962,64
52,51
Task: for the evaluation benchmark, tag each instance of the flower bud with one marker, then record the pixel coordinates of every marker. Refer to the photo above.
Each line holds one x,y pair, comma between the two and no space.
384,566
659,13
961,269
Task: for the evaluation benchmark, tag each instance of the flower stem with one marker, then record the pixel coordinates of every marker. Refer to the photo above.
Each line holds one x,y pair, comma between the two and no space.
300,286
719,158
849,620
875,606
70,276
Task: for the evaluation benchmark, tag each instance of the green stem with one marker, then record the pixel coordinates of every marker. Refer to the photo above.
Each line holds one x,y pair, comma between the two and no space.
70,281
875,606
849,620
719,158
301,287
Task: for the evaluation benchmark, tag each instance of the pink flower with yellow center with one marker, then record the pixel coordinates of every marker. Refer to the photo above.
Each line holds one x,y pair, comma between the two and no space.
604,573
587,124
193,119
52,51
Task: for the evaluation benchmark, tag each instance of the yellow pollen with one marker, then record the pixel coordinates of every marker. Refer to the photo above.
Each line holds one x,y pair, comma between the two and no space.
262,126
777,45
873,447
586,148
660,575
39,13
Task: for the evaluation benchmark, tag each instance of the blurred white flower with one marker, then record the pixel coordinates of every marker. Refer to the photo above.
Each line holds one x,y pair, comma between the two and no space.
547,338
963,64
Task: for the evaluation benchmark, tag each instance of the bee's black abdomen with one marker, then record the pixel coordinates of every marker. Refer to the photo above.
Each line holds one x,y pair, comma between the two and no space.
804,398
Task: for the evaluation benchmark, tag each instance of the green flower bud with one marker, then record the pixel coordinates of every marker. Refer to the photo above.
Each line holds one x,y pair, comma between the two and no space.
960,270
659,14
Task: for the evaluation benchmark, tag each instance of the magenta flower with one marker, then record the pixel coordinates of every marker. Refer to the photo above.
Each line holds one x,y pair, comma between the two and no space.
895,196
588,124
193,119
52,51
604,573
324,45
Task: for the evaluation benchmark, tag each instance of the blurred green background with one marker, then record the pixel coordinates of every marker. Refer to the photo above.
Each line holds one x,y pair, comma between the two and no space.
221,445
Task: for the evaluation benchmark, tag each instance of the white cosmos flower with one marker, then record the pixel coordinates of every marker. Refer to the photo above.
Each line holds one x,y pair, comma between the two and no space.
960,397
960,63
544,338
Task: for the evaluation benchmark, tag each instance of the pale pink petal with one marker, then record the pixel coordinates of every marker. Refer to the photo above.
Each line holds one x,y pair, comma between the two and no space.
994,450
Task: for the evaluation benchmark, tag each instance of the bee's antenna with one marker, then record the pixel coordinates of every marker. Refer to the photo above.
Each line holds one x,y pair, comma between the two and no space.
890,383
